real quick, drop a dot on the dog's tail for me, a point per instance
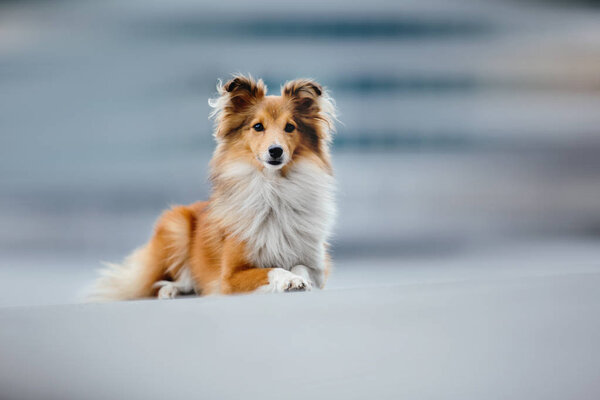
(131, 279)
(162, 258)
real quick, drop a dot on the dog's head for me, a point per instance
(273, 131)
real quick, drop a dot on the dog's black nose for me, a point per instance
(275, 151)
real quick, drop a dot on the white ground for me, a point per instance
(531, 337)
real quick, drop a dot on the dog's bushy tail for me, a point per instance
(131, 279)
(162, 257)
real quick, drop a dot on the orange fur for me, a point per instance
(195, 237)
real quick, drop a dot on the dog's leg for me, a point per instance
(317, 270)
(238, 276)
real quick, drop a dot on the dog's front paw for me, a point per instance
(296, 284)
(281, 281)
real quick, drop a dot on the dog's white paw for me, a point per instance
(281, 281)
(168, 291)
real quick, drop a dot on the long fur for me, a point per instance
(264, 228)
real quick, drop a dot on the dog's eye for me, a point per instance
(289, 128)
(259, 127)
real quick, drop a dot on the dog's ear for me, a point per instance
(235, 97)
(244, 91)
(312, 102)
(304, 94)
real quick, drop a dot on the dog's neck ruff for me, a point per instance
(284, 220)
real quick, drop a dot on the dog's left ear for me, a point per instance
(311, 100)
(305, 94)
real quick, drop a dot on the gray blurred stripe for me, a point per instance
(312, 27)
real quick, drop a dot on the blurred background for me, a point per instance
(468, 149)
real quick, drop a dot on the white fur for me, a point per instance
(281, 281)
(284, 220)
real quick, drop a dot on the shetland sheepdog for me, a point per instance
(266, 225)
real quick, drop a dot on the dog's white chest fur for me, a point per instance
(285, 221)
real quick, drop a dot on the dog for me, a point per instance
(266, 224)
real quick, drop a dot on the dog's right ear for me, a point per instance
(235, 97)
